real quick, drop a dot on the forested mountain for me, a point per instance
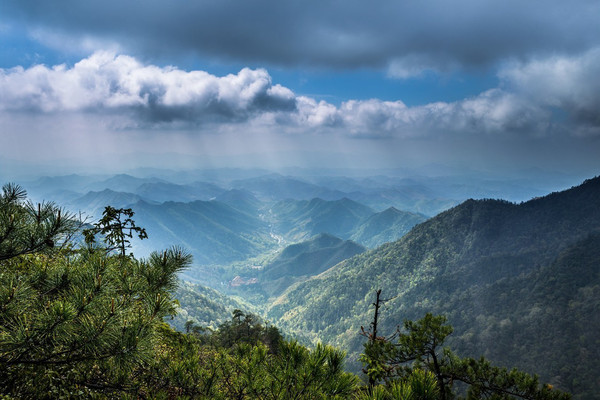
(491, 266)
(203, 306)
(305, 259)
(242, 200)
(386, 226)
(93, 203)
(301, 219)
(311, 257)
(121, 183)
(214, 232)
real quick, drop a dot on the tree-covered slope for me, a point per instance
(213, 231)
(545, 321)
(294, 263)
(386, 226)
(456, 264)
(302, 219)
(203, 306)
(93, 203)
(241, 200)
(311, 257)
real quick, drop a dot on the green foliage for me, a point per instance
(192, 366)
(413, 361)
(203, 307)
(488, 381)
(75, 322)
(117, 227)
(386, 226)
(519, 284)
(375, 359)
(249, 329)
(86, 319)
(26, 228)
(418, 385)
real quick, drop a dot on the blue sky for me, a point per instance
(488, 85)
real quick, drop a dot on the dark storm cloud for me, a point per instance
(569, 84)
(407, 36)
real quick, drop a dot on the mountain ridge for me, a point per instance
(464, 250)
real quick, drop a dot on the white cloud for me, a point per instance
(105, 82)
(129, 94)
(313, 114)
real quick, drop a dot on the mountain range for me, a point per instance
(300, 261)
(518, 281)
(476, 263)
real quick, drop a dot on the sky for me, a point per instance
(488, 85)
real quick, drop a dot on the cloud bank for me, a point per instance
(109, 83)
(551, 96)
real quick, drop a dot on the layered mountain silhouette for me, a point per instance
(302, 260)
(519, 283)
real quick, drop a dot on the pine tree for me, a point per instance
(394, 361)
(27, 228)
(75, 321)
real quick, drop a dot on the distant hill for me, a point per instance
(242, 200)
(204, 306)
(386, 226)
(213, 231)
(164, 191)
(418, 200)
(519, 283)
(122, 183)
(65, 182)
(305, 259)
(302, 219)
(93, 203)
(294, 263)
(275, 187)
(60, 189)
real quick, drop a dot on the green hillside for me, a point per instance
(204, 306)
(386, 226)
(213, 231)
(476, 263)
(93, 203)
(311, 257)
(241, 200)
(305, 259)
(302, 219)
